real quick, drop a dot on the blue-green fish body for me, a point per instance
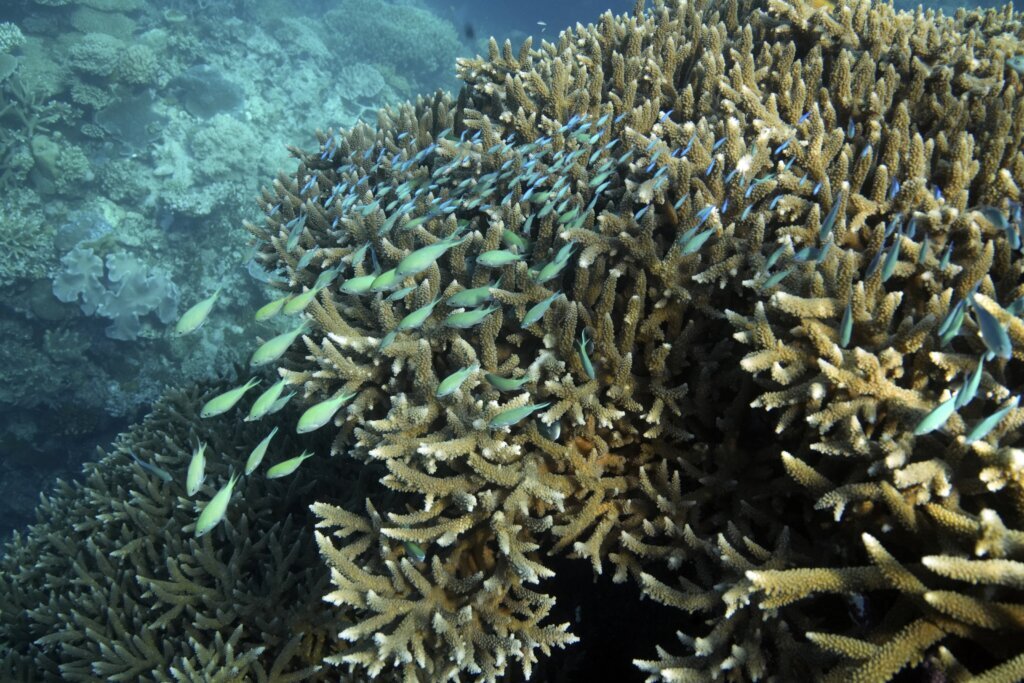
(319, 414)
(283, 469)
(386, 280)
(846, 325)
(269, 310)
(400, 294)
(937, 417)
(581, 347)
(155, 470)
(424, 257)
(416, 319)
(213, 511)
(262, 405)
(982, 429)
(497, 258)
(467, 319)
(993, 333)
(537, 311)
(218, 405)
(256, 457)
(507, 418)
(970, 387)
(196, 474)
(450, 384)
(358, 285)
(274, 348)
(471, 298)
(414, 551)
(192, 319)
(504, 383)
(298, 303)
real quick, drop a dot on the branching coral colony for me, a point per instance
(722, 299)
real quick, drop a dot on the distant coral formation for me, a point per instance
(722, 300)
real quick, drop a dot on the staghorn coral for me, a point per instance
(752, 214)
(110, 584)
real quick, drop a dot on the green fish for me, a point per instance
(414, 551)
(497, 258)
(156, 471)
(194, 317)
(507, 418)
(298, 303)
(549, 271)
(262, 405)
(581, 347)
(424, 257)
(937, 417)
(319, 414)
(471, 298)
(776, 278)
(269, 310)
(280, 403)
(512, 240)
(450, 384)
(283, 469)
(467, 319)
(274, 348)
(218, 405)
(538, 310)
(846, 325)
(415, 320)
(982, 429)
(693, 245)
(256, 457)
(504, 383)
(993, 333)
(400, 294)
(387, 340)
(213, 512)
(358, 285)
(385, 280)
(970, 388)
(196, 470)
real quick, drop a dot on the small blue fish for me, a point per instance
(993, 332)
(846, 325)
(982, 429)
(936, 417)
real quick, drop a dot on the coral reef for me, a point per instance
(722, 300)
(108, 585)
(739, 250)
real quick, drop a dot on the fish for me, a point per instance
(196, 473)
(936, 417)
(774, 257)
(470, 318)
(319, 414)
(982, 429)
(450, 384)
(424, 257)
(358, 285)
(262, 405)
(470, 298)
(508, 418)
(504, 383)
(946, 254)
(400, 294)
(993, 332)
(213, 511)
(415, 320)
(830, 217)
(280, 403)
(158, 472)
(581, 349)
(694, 244)
(923, 251)
(970, 388)
(283, 469)
(846, 325)
(537, 311)
(222, 403)
(271, 309)
(274, 348)
(192, 319)
(498, 257)
(413, 550)
(385, 281)
(950, 325)
(891, 258)
(256, 456)
(299, 302)
(296, 226)
(776, 278)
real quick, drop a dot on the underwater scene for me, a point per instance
(448, 340)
